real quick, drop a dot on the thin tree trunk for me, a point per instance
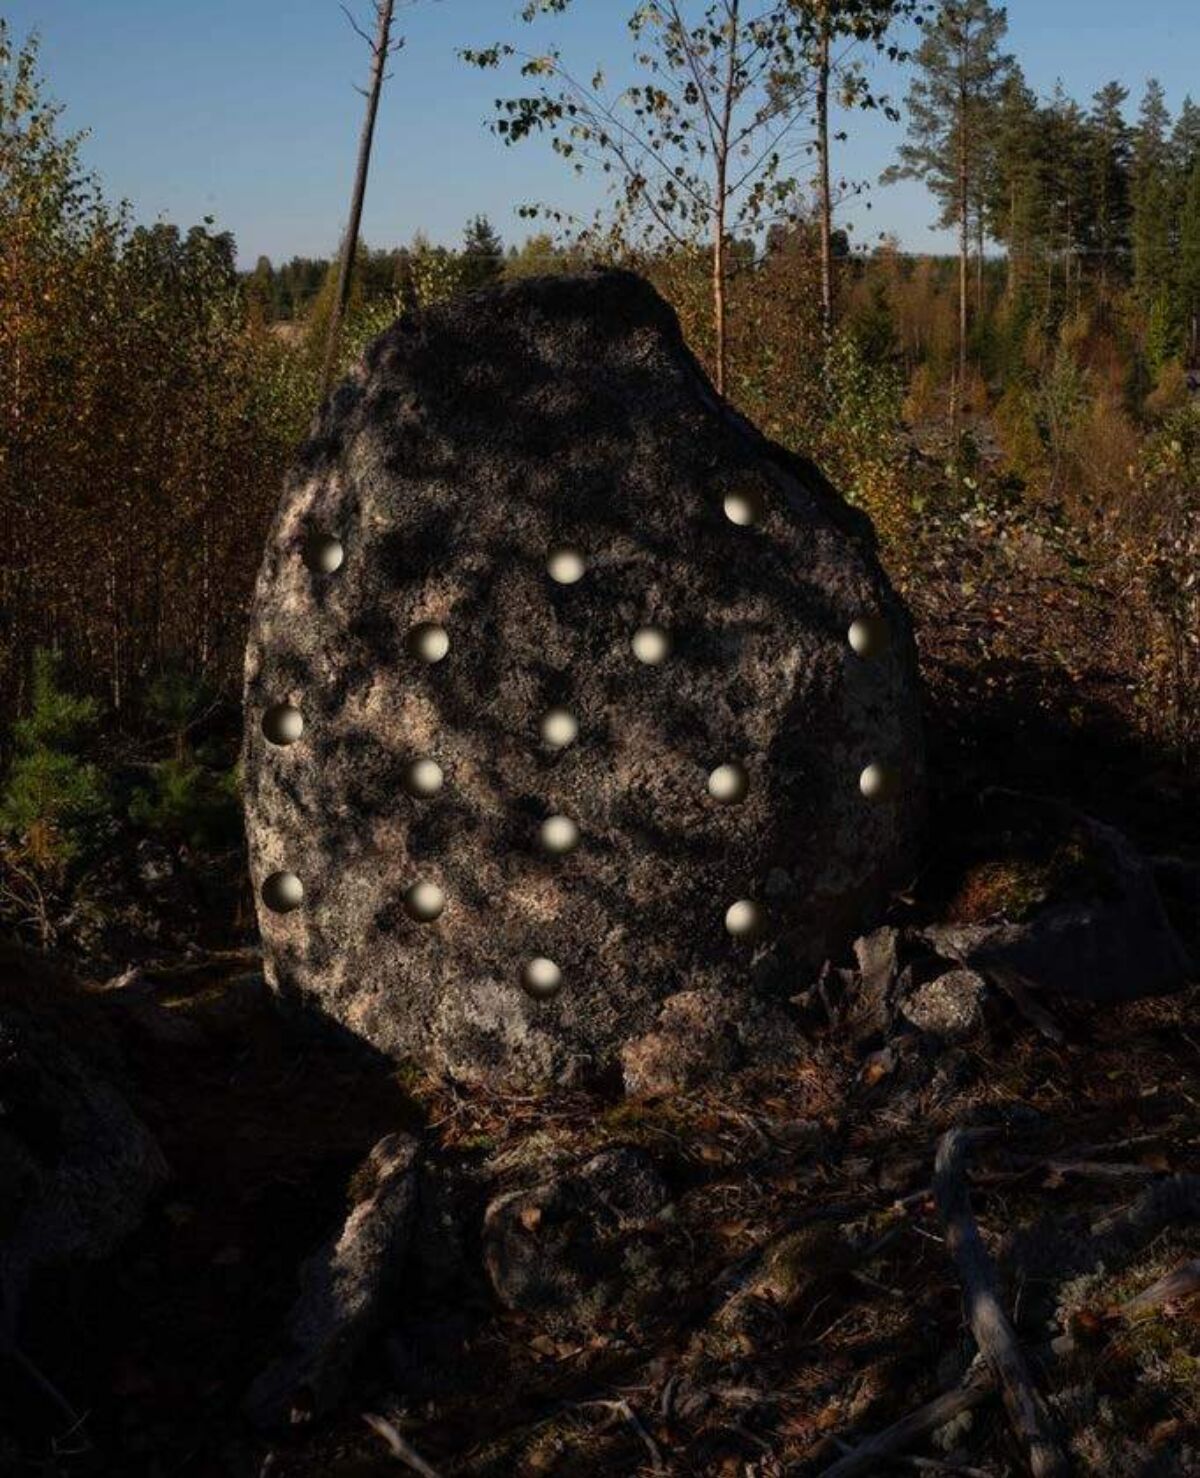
(823, 184)
(379, 56)
(718, 286)
(722, 177)
(979, 235)
(964, 224)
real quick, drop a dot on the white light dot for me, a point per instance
(423, 777)
(869, 636)
(282, 892)
(743, 918)
(729, 783)
(541, 978)
(559, 728)
(651, 644)
(566, 565)
(282, 724)
(323, 553)
(559, 834)
(429, 641)
(744, 507)
(877, 782)
(424, 901)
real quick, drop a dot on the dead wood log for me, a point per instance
(869, 1454)
(980, 1383)
(994, 1334)
(344, 1293)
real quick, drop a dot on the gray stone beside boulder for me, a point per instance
(1113, 942)
(555, 660)
(77, 1164)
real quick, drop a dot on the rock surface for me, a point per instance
(415, 605)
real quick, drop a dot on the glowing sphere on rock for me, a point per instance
(558, 835)
(429, 641)
(729, 784)
(424, 901)
(566, 566)
(651, 645)
(323, 554)
(282, 724)
(743, 918)
(744, 508)
(423, 778)
(877, 782)
(541, 978)
(559, 728)
(282, 892)
(869, 636)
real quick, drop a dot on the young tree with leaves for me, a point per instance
(698, 150)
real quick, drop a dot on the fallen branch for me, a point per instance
(994, 1334)
(980, 1384)
(866, 1457)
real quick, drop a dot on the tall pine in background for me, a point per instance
(951, 104)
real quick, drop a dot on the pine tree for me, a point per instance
(1152, 200)
(1185, 141)
(1065, 144)
(52, 798)
(260, 293)
(483, 253)
(1015, 201)
(1189, 263)
(950, 103)
(1107, 219)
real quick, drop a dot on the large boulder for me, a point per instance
(566, 691)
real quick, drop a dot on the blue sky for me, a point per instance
(246, 109)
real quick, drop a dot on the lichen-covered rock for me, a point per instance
(566, 691)
(581, 1243)
(949, 1006)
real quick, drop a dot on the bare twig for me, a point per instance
(403, 1451)
(994, 1334)
(624, 1409)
